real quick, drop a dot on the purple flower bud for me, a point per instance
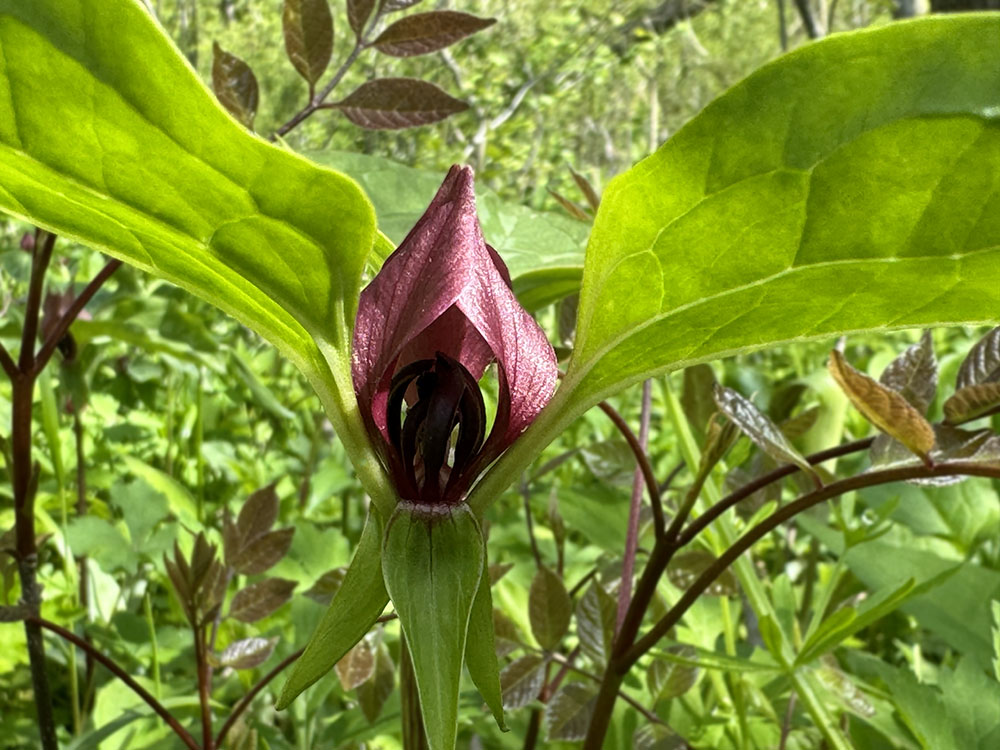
(432, 320)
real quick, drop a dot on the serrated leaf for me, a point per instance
(480, 650)
(522, 680)
(567, 714)
(982, 363)
(358, 13)
(593, 199)
(258, 513)
(327, 586)
(760, 429)
(260, 599)
(395, 103)
(595, 622)
(549, 608)
(914, 374)
(422, 33)
(972, 402)
(669, 679)
(657, 737)
(308, 30)
(356, 666)
(685, 568)
(373, 694)
(884, 408)
(247, 653)
(432, 561)
(354, 609)
(264, 552)
(235, 85)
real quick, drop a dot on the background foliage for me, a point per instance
(170, 416)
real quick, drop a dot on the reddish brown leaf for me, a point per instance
(972, 402)
(258, 514)
(357, 665)
(593, 199)
(521, 681)
(570, 207)
(982, 365)
(883, 407)
(235, 85)
(373, 693)
(396, 103)
(422, 33)
(358, 12)
(308, 29)
(391, 6)
(258, 600)
(914, 373)
(263, 552)
(247, 654)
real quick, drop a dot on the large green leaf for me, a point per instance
(432, 560)
(107, 136)
(848, 186)
(851, 185)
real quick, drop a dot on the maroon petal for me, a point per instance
(444, 290)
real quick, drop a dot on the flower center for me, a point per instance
(444, 399)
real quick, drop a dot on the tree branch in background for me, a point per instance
(812, 27)
(121, 674)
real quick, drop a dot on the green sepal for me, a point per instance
(480, 650)
(432, 559)
(355, 607)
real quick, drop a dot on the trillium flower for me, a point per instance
(439, 312)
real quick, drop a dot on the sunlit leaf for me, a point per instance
(884, 408)
(595, 622)
(593, 199)
(972, 402)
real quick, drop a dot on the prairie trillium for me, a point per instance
(439, 312)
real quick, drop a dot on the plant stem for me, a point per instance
(204, 687)
(121, 674)
(247, 699)
(751, 537)
(632, 535)
(316, 102)
(414, 736)
(640, 456)
(24, 481)
(74, 310)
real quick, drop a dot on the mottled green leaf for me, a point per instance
(357, 666)
(258, 600)
(247, 653)
(373, 694)
(480, 649)
(982, 364)
(595, 622)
